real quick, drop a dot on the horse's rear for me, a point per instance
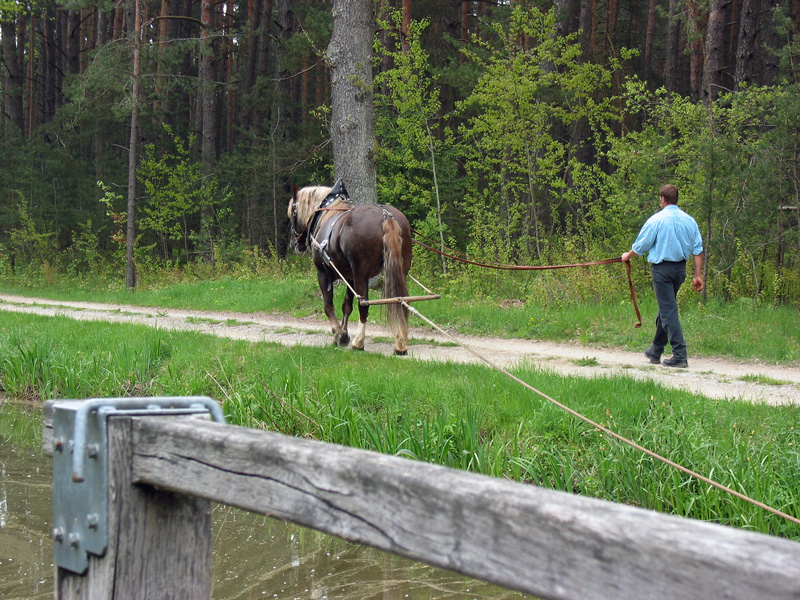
(374, 239)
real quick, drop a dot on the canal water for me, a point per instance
(253, 556)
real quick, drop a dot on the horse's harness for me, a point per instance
(338, 192)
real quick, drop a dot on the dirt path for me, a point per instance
(712, 377)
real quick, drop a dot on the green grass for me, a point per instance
(766, 380)
(462, 416)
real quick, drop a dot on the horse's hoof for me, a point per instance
(400, 352)
(357, 348)
(341, 339)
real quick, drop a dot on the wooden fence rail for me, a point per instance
(164, 472)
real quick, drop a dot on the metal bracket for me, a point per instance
(80, 486)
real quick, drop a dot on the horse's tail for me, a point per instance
(394, 278)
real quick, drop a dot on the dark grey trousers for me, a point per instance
(667, 280)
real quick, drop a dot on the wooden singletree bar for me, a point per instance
(398, 299)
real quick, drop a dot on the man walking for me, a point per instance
(670, 237)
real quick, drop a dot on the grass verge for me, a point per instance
(465, 417)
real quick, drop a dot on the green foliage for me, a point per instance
(415, 148)
(31, 244)
(182, 205)
(536, 108)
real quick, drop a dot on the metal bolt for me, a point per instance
(92, 450)
(92, 521)
(74, 540)
(59, 443)
(58, 534)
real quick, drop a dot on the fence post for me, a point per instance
(159, 542)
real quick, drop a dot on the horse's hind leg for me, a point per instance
(401, 335)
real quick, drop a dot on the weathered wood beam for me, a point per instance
(547, 543)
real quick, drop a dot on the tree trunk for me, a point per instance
(567, 17)
(587, 33)
(208, 143)
(262, 64)
(697, 27)
(352, 114)
(406, 22)
(773, 42)
(230, 124)
(30, 80)
(649, 36)
(671, 67)
(250, 57)
(73, 42)
(49, 73)
(612, 17)
(747, 44)
(12, 75)
(133, 150)
(280, 114)
(714, 63)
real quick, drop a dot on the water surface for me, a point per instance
(253, 556)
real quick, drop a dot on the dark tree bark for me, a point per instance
(30, 79)
(133, 149)
(206, 84)
(73, 47)
(649, 37)
(250, 56)
(671, 67)
(281, 113)
(49, 72)
(261, 108)
(406, 21)
(714, 64)
(772, 40)
(12, 74)
(612, 18)
(567, 16)
(352, 115)
(697, 20)
(747, 47)
(232, 99)
(585, 24)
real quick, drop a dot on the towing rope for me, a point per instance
(505, 267)
(600, 427)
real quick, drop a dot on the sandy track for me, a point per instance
(712, 377)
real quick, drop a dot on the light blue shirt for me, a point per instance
(670, 234)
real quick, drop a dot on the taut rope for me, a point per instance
(604, 429)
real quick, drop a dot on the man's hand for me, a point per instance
(626, 256)
(698, 284)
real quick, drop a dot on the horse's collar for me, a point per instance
(325, 205)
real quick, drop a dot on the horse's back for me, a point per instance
(362, 231)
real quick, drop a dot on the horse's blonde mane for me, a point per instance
(308, 199)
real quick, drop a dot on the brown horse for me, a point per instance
(354, 243)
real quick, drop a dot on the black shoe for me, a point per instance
(651, 356)
(681, 363)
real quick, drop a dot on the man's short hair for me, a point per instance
(669, 193)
